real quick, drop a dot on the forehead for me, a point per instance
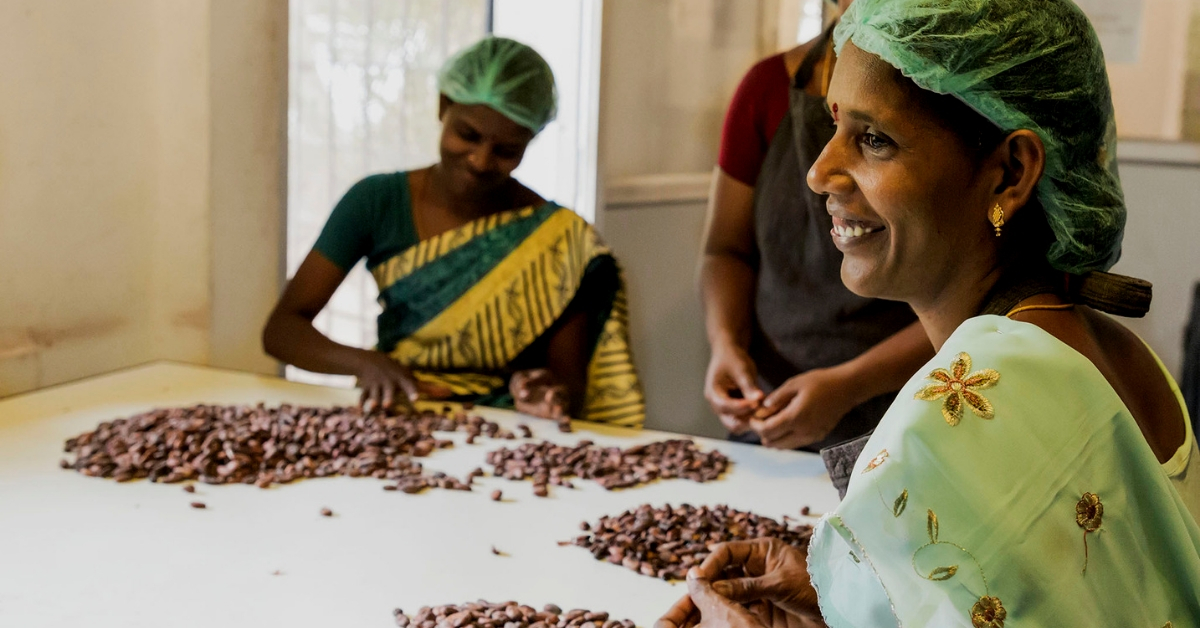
(490, 122)
(864, 82)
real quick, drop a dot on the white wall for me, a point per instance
(668, 70)
(106, 187)
(1162, 192)
(658, 244)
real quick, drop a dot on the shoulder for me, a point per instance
(765, 76)
(998, 379)
(524, 196)
(773, 67)
(377, 184)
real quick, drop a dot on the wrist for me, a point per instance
(360, 360)
(726, 343)
(856, 386)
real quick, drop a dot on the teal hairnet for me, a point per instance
(507, 76)
(1022, 64)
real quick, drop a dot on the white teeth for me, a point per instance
(852, 232)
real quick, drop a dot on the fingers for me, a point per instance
(722, 403)
(715, 608)
(680, 615)
(744, 590)
(370, 398)
(409, 385)
(433, 391)
(745, 380)
(779, 399)
(385, 400)
(724, 556)
(779, 425)
(735, 425)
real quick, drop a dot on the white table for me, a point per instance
(87, 552)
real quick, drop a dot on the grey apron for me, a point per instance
(805, 318)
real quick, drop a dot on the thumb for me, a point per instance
(701, 591)
(744, 377)
(743, 590)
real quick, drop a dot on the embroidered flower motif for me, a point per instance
(959, 388)
(876, 461)
(1089, 514)
(988, 612)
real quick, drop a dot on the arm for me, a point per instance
(290, 337)
(727, 280)
(807, 407)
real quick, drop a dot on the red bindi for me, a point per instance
(833, 109)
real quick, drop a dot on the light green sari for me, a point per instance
(1008, 485)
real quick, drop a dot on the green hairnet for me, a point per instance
(1022, 64)
(507, 76)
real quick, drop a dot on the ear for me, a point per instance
(1022, 158)
(443, 106)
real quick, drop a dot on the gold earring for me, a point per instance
(997, 218)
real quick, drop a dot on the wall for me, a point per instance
(107, 193)
(668, 70)
(658, 243)
(1191, 94)
(1162, 191)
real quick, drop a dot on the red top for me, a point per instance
(758, 106)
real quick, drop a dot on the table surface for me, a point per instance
(80, 551)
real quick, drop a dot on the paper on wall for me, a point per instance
(1119, 25)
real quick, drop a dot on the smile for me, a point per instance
(851, 229)
(856, 231)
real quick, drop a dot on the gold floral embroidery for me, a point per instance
(959, 388)
(1089, 514)
(900, 504)
(988, 612)
(876, 461)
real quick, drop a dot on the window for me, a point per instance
(363, 99)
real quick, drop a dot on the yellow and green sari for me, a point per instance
(460, 309)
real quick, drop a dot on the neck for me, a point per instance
(468, 206)
(943, 313)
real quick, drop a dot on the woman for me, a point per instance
(1040, 471)
(797, 359)
(490, 294)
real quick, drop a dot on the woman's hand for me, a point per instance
(731, 389)
(805, 409)
(537, 393)
(384, 381)
(705, 607)
(774, 572)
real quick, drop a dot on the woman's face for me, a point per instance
(908, 203)
(480, 147)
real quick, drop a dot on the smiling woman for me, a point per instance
(1042, 463)
(490, 293)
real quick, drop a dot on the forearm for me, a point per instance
(292, 339)
(727, 285)
(887, 366)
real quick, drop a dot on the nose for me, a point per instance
(828, 174)
(481, 159)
